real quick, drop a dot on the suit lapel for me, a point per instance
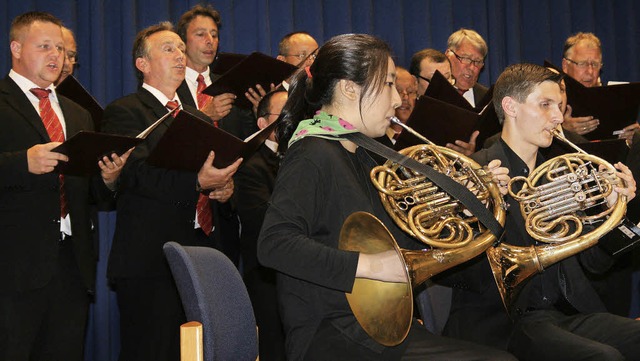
(154, 107)
(17, 100)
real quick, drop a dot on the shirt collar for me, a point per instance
(26, 85)
(192, 76)
(159, 95)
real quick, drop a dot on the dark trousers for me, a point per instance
(551, 335)
(47, 323)
(261, 285)
(150, 317)
(331, 344)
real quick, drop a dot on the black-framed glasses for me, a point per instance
(467, 61)
(303, 56)
(585, 64)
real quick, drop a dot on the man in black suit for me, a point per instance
(466, 51)
(47, 262)
(557, 314)
(155, 205)
(199, 29)
(254, 183)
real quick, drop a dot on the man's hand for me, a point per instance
(628, 131)
(219, 106)
(224, 193)
(110, 168)
(256, 95)
(464, 147)
(41, 160)
(579, 125)
(212, 178)
(499, 175)
(628, 190)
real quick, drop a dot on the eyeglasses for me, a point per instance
(303, 56)
(268, 114)
(468, 61)
(585, 64)
(408, 93)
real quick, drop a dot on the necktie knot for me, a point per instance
(200, 81)
(40, 93)
(461, 91)
(172, 104)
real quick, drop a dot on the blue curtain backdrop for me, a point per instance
(516, 31)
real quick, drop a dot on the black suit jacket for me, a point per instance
(479, 91)
(30, 204)
(239, 122)
(155, 205)
(477, 312)
(254, 184)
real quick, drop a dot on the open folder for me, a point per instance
(72, 89)
(440, 88)
(189, 139)
(85, 149)
(257, 68)
(611, 150)
(225, 61)
(444, 123)
(616, 106)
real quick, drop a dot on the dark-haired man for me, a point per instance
(47, 263)
(156, 205)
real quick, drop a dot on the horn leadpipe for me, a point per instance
(397, 121)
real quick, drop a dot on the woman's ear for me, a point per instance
(349, 89)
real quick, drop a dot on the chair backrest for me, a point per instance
(213, 293)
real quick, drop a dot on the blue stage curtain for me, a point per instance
(516, 31)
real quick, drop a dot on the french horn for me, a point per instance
(452, 235)
(553, 200)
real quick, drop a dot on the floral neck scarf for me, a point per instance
(322, 125)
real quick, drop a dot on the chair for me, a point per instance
(213, 293)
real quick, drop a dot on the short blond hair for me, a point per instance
(471, 36)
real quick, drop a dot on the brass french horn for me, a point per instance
(552, 200)
(422, 209)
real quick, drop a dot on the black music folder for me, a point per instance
(257, 68)
(611, 150)
(85, 149)
(189, 139)
(72, 89)
(225, 61)
(439, 122)
(616, 106)
(440, 88)
(443, 123)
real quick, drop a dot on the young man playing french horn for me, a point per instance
(556, 314)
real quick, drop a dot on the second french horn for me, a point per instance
(554, 200)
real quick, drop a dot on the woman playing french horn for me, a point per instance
(323, 179)
(556, 315)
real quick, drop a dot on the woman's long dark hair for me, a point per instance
(360, 58)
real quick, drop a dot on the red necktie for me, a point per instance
(203, 98)
(203, 211)
(54, 129)
(173, 104)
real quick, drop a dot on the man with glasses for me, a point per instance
(297, 49)
(254, 183)
(424, 64)
(71, 54)
(466, 51)
(407, 87)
